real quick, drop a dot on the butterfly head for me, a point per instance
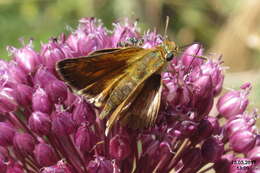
(170, 50)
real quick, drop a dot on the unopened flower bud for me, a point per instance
(212, 149)
(24, 143)
(25, 93)
(6, 134)
(242, 141)
(83, 112)
(213, 69)
(8, 102)
(84, 138)
(236, 124)
(57, 91)
(119, 147)
(233, 103)
(203, 96)
(41, 101)
(43, 77)
(40, 123)
(17, 73)
(26, 58)
(51, 53)
(189, 58)
(62, 123)
(45, 155)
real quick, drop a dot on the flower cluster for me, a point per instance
(44, 127)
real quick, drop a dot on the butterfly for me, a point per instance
(124, 82)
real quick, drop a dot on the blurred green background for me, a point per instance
(231, 28)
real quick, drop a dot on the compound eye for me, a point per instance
(169, 56)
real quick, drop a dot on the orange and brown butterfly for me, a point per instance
(124, 82)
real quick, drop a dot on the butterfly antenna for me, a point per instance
(166, 28)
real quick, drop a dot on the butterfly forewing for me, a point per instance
(95, 73)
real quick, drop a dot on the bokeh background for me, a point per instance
(230, 28)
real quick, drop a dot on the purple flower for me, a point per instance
(233, 103)
(8, 102)
(7, 132)
(62, 123)
(47, 128)
(26, 57)
(51, 53)
(24, 143)
(40, 123)
(242, 141)
(41, 101)
(119, 147)
(45, 154)
(189, 59)
(84, 138)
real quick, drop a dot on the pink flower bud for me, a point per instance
(119, 147)
(233, 103)
(242, 141)
(40, 123)
(51, 53)
(41, 101)
(43, 77)
(83, 112)
(212, 149)
(45, 155)
(213, 69)
(6, 134)
(100, 164)
(189, 58)
(8, 102)
(17, 74)
(24, 143)
(62, 123)
(84, 138)
(26, 58)
(57, 91)
(236, 124)
(25, 93)
(203, 96)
